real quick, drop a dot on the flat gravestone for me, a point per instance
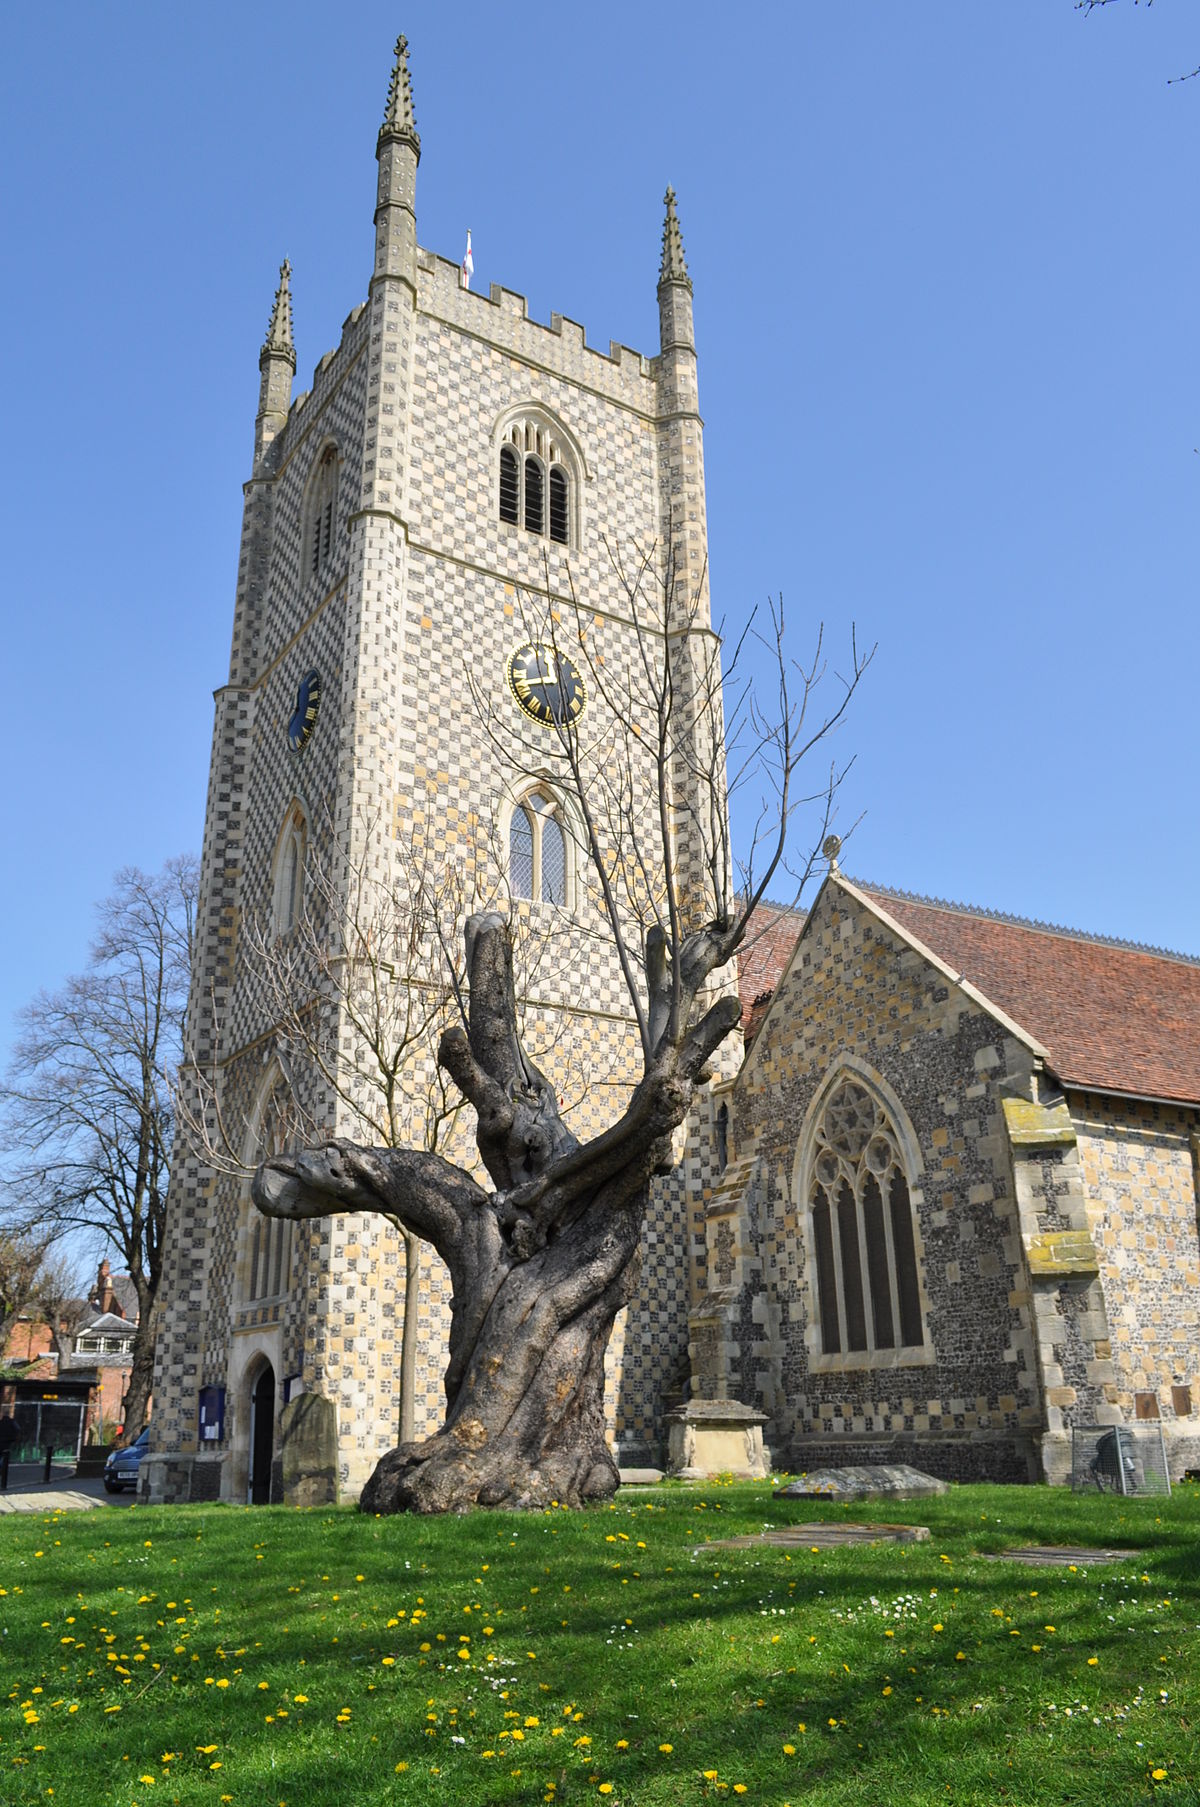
(824, 1537)
(1059, 1555)
(866, 1481)
(308, 1432)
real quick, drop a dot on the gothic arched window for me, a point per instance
(321, 512)
(868, 1294)
(267, 1261)
(287, 891)
(534, 465)
(537, 850)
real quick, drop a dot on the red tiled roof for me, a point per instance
(773, 932)
(1113, 1017)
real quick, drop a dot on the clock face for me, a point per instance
(546, 684)
(304, 716)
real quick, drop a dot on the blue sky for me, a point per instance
(945, 265)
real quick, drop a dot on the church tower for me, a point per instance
(461, 489)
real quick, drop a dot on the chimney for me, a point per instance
(106, 1298)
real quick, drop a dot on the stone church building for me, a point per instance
(947, 1201)
(958, 1212)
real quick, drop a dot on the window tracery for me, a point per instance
(287, 891)
(868, 1294)
(537, 850)
(534, 467)
(267, 1272)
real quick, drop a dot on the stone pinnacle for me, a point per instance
(279, 341)
(399, 120)
(674, 263)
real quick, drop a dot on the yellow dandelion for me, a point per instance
(1158, 1775)
(666, 1749)
(1092, 1661)
(789, 1750)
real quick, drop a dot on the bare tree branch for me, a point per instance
(88, 1103)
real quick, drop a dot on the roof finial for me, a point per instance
(674, 263)
(278, 342)
(399, 120)
(831, 847)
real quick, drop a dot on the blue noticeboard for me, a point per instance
(212, 1414)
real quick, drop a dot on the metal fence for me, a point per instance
(1119, 1458)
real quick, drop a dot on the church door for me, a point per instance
(262, 1435)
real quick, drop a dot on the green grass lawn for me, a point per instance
(256, 1657)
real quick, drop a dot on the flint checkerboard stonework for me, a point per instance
(409, 617)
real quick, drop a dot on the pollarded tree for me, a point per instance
(87, 1104)
(357, 992)
(542, 1260)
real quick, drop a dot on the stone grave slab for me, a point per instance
(864, 1481)
(823, 1537)
(308, 1431)
(1050, 1556)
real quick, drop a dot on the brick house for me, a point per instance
(92, 1344)
(958, 1210)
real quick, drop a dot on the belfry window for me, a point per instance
(534, 482)
(537, 850)
(868, 1296)
(322, 512)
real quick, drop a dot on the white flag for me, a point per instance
(468, 263)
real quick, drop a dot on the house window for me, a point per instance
(534, 482)
(537, 850)
(868, 1297)
(322, 512)
(287, 897)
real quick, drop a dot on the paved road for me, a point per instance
(27, 1492)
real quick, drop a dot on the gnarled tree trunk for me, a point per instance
(541, 1265)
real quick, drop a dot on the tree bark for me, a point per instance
(141, 1378)
(539, 1267)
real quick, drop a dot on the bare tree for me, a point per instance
(21, 1260)
(357, 994)
(87, 1103)
(542, 1261)
(1088, 6)
(60, 1303)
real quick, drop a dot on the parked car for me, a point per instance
(121, 1469)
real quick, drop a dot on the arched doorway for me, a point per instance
(262, 1436)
